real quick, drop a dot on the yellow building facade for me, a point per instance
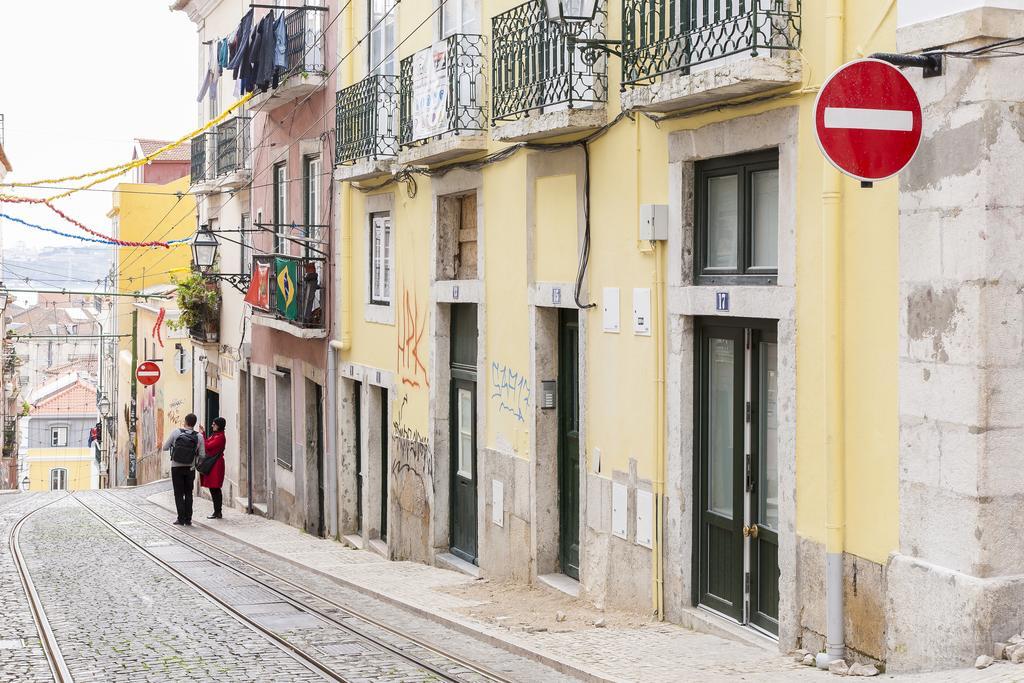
(672, 232)
(59, 454)
(150, 212)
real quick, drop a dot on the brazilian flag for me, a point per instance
(287, 288)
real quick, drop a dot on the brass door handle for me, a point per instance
(750, 531)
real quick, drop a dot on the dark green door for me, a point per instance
(720, 539)
(736, 480)
(569, 442)
(764, 497)
(462, 440)
(357, 391)
(385, 469)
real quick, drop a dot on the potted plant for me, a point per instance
(199, 304)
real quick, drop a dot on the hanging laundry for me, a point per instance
(248, 63)
(280, 44)
(222, 53)
(208, 80)
(263, 57)
(240, 43)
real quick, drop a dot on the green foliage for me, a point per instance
(197, 301)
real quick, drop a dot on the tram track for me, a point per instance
(302, 602)
(48, 642)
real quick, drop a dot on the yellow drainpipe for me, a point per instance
(832, 319)
(344, 342)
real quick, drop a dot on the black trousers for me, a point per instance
(218, 499)
(182, 479)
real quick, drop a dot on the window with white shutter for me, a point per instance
(381, 259)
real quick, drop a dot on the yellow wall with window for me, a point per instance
(629, 167)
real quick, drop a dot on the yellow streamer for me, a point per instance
(114, 171)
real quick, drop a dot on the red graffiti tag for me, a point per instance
(410, 333)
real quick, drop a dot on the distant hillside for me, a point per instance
(63, 267)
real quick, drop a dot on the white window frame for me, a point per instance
(382, 37)
(62, 476)
(55, 436)
(458, 16)
(313, 169)
(382, 259)
(280, 200)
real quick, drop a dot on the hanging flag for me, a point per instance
(287, 301)
(259, 286)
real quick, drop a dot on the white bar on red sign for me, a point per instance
(148, 373)
(869, 119)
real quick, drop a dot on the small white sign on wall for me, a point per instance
(642, 312)
(644, 518)
(497, 502)
(619, 505)
(611, 309)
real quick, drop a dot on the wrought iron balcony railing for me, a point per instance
(664, 36)
(200, 167)
(304, 40)
(295, 288)
(232, 144)
(367, 119)
(535, 67)
(461, 71)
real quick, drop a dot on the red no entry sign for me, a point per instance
(148, 373)
(868, 120)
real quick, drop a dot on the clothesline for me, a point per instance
(256, 56)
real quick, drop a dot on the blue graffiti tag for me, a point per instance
(511, 390)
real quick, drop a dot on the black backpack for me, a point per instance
(185, 449)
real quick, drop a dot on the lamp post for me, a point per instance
(573, 16)
(204, 249)
(571, 11)
(103, 405)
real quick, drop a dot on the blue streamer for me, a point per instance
(81, 238)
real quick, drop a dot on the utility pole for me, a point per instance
(132, 441)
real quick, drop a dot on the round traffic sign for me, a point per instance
(867, 119)
(148, 373)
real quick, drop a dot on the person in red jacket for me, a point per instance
(215, 444)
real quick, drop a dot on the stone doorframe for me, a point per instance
(444, 293)
(686, 301)
(545, 298)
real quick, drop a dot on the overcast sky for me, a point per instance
(81, 80)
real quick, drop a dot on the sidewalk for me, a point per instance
(628, 647)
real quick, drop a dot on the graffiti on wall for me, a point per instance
(148, 422)
(411, 328)
(511, 390)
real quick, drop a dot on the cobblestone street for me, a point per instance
(117, 597)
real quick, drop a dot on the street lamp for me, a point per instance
(104, 406)
(204, 248)
(571, 11)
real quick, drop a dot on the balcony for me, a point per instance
(231, 140)
(305, 70)
(203, 170)
(443, 102)
(677, 55)
(293, 300)
(542, 86)
(367, 128)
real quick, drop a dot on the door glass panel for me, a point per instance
(765, 215)
(465, 434)
(723, 217)
(769, 441)
(720, 430)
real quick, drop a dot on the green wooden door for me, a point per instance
(720, 481)
(569, 442)
(462, 418)
(764, 496)
(736, 476)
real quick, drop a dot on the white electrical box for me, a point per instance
(644, 518)
(642, 311)
(653, 222)
(619, 506)
(611, 309)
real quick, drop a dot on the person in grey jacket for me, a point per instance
(186, 447)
